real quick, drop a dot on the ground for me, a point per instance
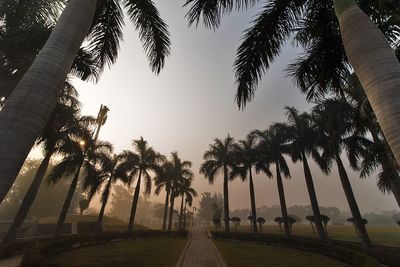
(240, 254)
(149, 252)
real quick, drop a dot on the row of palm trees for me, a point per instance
(335, 125)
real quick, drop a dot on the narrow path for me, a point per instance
(11, 262)
(200, 251)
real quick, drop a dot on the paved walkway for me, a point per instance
(200, 251)
(11, 262)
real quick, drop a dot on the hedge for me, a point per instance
(350, 256)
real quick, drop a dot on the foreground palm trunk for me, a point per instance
(103, 206)
(67, 202)
(181, 215)
(226, 200)
(376, 67)
(164, 225)
(313, 199)
(27, 201)
(134, 203)
(282, 200)
(253, 203)
(171, 210)
(29, 106)
(351, 200)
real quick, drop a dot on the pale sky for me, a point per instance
(192, 102)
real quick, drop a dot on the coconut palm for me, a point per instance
(271, 148)
(139, 162)
(63, 125)
(302, 144)
(109, 170)
(334, 120)
(246, 158)
(180, 172)
(100, 22)
(81, 156)
(164, 179)
(187, 193)
(220, 157)
(328, 50)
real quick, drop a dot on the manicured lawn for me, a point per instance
(389, 235)
(240, 254)
(149, 252)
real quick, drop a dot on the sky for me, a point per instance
(192, 101)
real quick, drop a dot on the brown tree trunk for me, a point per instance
(253, 202)
(135, 203)
(282, 200)
(181, 214)
(351, 200)
(313, 199)
(103, 206)
(29, 106)
(226, 200)
(164, 225)
(67, 202)
(171, 209)
(27, 201)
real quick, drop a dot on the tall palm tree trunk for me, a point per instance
(171, 210)
(29, 106)
(282, 200)
(351, 200)
(181, 214)
(184, 217)
(253, 202)
(376, 67)
(67, 202)
(164, 225)
(103, 206)
(313, 199)
(27, 201)
(135, 203)
(226, 200)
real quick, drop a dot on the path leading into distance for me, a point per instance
(200, 251)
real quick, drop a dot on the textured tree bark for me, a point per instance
(226, 200)
(134, 203)
(27, 201)
(67, 202)
(253, 203)
(103, 206)
(313, 199)
(164, 225)
(29, 106)
(351, 200)
(282, 200)
(376, 67)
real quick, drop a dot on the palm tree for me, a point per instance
(63, 125)
(330, 47)
(180, 172)
(188, 193)
(110, 170)
(271, 148)
(302, 143)
(162, 180)
(334, 120)
(245, 159)
(29, 106)
(81, 157)
(139, 163)
(218, 158)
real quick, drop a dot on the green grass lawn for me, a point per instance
(382, 235)
(243, 254)
(149, 252)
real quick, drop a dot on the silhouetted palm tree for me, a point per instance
(63, 125)
(328, 50)
(187, 193)
(218, 158)
(81, 156)
(139, 162)
(334, 120)
(109, 170)
(100, 23)
(164, 179)
(245, 159)
(271, 148)
(302, 143)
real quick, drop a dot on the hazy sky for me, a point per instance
(192, 102)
